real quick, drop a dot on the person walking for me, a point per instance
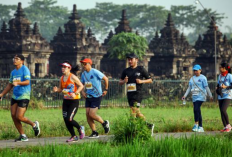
(224, 91)
(198, 86)
(71, 87)
(133, 77)
(20, 81)
(91, 78)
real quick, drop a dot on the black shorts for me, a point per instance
(134, 99)
(93, 102)
(21, 103)
(134, 102)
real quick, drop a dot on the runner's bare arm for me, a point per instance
(143, 81)
(106, 82)
(121, 82)
(56, 89)
(106, 85)
(7, 89)
(78, 83)
(23, 83)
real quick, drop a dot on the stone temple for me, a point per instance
(74, 44)
(19, 38)
(169, 54)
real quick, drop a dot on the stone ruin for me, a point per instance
(20, 38)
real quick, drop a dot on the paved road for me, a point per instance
(61, 140)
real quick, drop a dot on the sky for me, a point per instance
(221, 6)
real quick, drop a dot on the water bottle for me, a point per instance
(184, 102)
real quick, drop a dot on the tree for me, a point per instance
(125, 43)
(183, 16)
(48, 16)
(6, 12)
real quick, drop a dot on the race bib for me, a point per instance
(131, 87)
(195, 91)
(225, 91)
(88, 85)
(17, 79)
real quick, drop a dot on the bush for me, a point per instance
(129, 130)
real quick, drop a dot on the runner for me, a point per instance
(133, 77)
(91, 78)
(71, 87)
(198, 85)
(20, 82)
(224, 88)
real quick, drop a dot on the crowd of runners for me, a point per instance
(89, 86)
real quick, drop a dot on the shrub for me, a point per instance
(129, 129)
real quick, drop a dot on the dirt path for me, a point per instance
(61, 140)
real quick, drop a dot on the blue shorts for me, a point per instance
(93, 102)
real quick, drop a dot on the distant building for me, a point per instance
(20, 38)
(74, 44)
(173, 56)
(206, 50)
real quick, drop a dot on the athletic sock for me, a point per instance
(24, 135)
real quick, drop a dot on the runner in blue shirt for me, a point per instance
(198, 86)
(91, 79)
(224, 91)
(20, 82)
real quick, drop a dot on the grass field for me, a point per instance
(206, 146)
(166, 119)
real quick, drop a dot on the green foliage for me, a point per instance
(48, 16)
(105, 16)
(130, 129)
(125, 43)
(207, 146)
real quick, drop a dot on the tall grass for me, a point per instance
(130, 129)
(207, 146)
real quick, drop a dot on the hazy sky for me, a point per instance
(221, 6)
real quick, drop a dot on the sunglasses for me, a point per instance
(64, 67)
(84, 64)
(17, 59)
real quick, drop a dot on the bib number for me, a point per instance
(131, 87)
(195, 91)
(88, 85)
(17, 79)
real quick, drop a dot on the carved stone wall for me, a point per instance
(74, 44)
(20, 38)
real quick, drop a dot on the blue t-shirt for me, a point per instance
(92, 82)
(198, 89)
(226, 80)
(20, 75)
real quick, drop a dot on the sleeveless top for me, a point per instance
(69, 87)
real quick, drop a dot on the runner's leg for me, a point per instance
(20, 116)
(17, 122)
(90, 120)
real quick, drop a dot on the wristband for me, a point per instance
(105, 89)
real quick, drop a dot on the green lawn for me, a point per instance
(166, 119)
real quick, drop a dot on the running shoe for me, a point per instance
(223, 130)
(82, 132)
(72, 139)
(227, 130)
(106, 126)
(36, 128)
(94, 135)
(195, 128)
(21, 139)
(200, 129)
